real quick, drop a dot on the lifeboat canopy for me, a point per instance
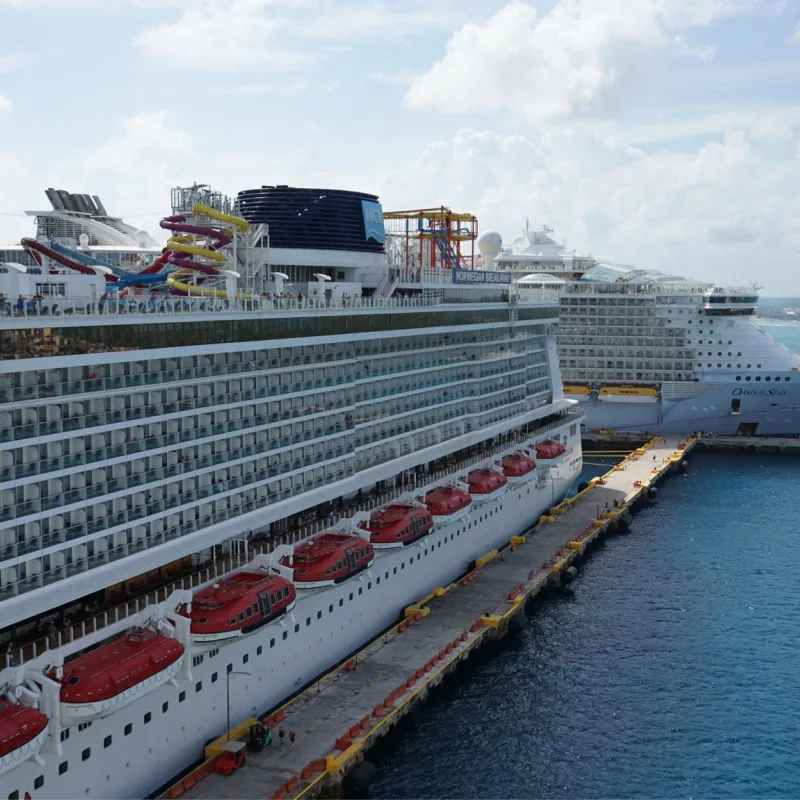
(116, 674)
(397, 525)
(517, 465)
(447, 500)
(485, 481)
(549, 450)
(23, 731)
(239, 604)
(329, 558)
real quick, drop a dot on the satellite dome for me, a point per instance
(489, 244)
(84, 239)
(142, 237)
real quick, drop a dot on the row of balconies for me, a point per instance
(140, 374)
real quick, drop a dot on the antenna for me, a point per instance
(756, 286)
(527, 224)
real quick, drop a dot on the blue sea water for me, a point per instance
(787, 333)
(668, 669)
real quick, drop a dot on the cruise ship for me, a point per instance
(646, 351)
(316, 413)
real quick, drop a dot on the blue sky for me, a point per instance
(664, 133)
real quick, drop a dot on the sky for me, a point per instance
(660, 133)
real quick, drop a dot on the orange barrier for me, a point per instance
(279, 793)
(377, 710)
(312, 767)
(350, 665)
(291, 784)
(364, 723)
(354, 731)
(342, 743)
(464, 636)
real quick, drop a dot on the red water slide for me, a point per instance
(33, 247)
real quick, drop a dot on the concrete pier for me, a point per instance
(338, 719)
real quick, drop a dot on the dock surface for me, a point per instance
(339, 717)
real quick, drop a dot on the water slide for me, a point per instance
(184, 245)
(32, 246)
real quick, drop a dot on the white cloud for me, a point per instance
(5, 103)
(796, 34)
(563, 62)
(223, 36)
(262, 88)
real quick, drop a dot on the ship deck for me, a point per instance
(336, 719)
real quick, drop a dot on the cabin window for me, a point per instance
(254, 607)
(233, 621)
(341, 602)
(272, 599)
(84, 725)
(128, 728)
(241, 616)
(369, 585)
(285, 634)
(85, 755)
(214, 676)
(386, 575)
(308, 621)
(327, 572)
(351, 596)
(377, 580)
(249, 612)
(164, 707)
(259, 650)
(419, 556)
(147, 717)
(394, 571)
(14, 795)
(245, 658)
(330, 608)
(63, 767)
(426, 551)
(360, 589)
(181, 697)
(73, 680)
(285, 591)
(297, 627)
(272, 643)
(39, 782)
(107, 741)
(198, 687)
(403, 565)
(65, 735)
(229, 669)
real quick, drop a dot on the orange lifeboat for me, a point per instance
(398, 525)
(518, 467)
(486, 484)
(448, 503)
(328, 559)
(23, 732)
(119, 673)
(549, 452)
(238, 605)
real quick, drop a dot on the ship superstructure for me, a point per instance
(643, 350)
(142, 428)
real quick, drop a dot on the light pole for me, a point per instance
(228, 699)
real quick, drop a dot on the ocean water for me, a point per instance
(787, 333)
(669, 669)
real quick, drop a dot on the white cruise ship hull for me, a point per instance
(326, 626)
(710, 407)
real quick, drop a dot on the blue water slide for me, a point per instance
(125, 278)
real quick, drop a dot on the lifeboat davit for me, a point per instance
(328, 559)
(23, 732)
(398, 525)
(238, 605)
(550, 452)
(448, 503)
(486, 484)
(518, 467)
(100, 682)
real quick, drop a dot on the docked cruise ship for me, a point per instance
(648, 351)
(269, 375)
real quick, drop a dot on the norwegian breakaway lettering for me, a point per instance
(480, 276)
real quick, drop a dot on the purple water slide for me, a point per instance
(178, 224)
(187, 263)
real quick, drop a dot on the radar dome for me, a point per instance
(489, 244)
(142, 238)
(84, 239)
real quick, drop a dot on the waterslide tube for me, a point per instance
(187, 263)
(178, 225)
(125, 278)
(38, 247)
(199, 291)
(241, 225)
